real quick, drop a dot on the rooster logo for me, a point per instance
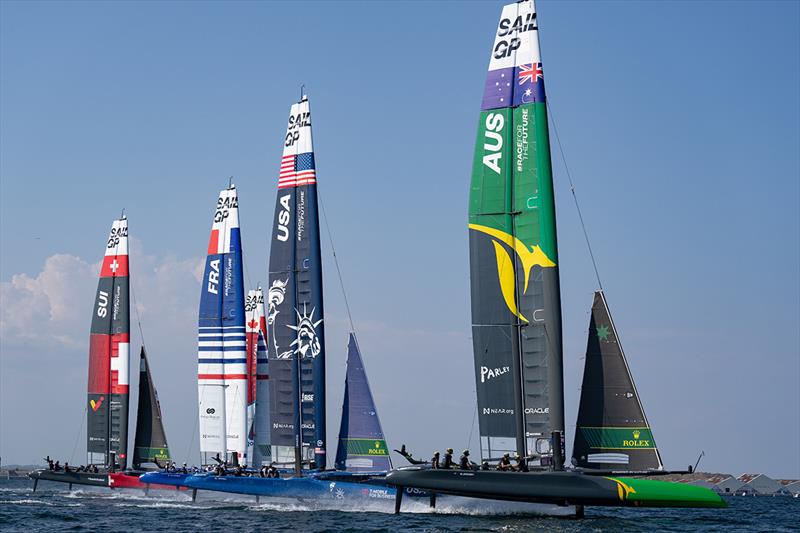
(529, 257)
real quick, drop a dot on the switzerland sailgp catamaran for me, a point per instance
(108, 396)
(516, 316)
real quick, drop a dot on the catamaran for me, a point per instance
(516, 321)
(108, 396)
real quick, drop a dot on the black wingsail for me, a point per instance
(612, 430)
(151, 441)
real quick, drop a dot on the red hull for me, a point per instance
(131, 481)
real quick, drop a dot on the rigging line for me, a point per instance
(78, 436)
(336, 260)
(472, 428)
(574, 195)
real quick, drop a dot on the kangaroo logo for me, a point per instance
(529, 257)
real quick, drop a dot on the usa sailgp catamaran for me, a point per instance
(108, 386)
(289, 417)
(516, 311)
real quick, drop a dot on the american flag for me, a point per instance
(530, 73)
(297, 170)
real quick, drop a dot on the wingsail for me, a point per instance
(109, 345)
(258, 378)
(295, 328)
(222, 356)
(516, 306)
(612, 430)
(362, 445)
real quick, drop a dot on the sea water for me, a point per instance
(54, 508)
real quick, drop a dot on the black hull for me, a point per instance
(73, 478)
(559, 488)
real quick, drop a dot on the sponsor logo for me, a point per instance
(305, 397)
(283, 219)
(95, 405)
(224, 205)
(213, 277)
(491, 373)
(522, 139)
(529, 257)
(301, 215)
(102, 304)
(307, 425)
(228, 275)
(511, 29)
(296, 122)
(537, 410)
(497, 411)
(116, 233)
(211, 411)
(279, 425)
(636, 442)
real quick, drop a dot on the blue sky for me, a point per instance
(681, 125)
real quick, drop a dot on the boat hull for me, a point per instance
(74, 478)
(170, 479)
(559, 488)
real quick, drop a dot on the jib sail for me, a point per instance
(150, 443)
(296, 343)
(222, 355)
(516, 307)
(107, 412)
(258, 378)
(612, 430)
(362, 445)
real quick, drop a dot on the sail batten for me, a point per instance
(612, 430)
(295, 328)
(516, 309)
(108, 395)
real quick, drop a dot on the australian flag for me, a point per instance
(513, 86)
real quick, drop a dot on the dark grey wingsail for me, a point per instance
(612, 430)
(151, 441)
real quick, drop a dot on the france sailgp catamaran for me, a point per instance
(516, 308)
(107, 391)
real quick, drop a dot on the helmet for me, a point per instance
(435, 454)
(505, 455)
(449, 450)
(466, 452)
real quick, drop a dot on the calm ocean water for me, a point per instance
(52, 508)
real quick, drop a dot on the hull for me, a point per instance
(130, 480)
(171, 479)
(559, 488)
(73, 478)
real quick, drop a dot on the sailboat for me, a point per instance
(108, 395)
(292, 315)
(258, 380)
(612, 432)
(516, 307)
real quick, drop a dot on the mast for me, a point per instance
(516, 301)
(222, 356)
(362, 444)
(109, 341)
(296, 343)
(612, 429)
(150, 443)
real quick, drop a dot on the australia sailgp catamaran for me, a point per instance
(108, 394)
(516, 315)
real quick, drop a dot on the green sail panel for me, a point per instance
(612, 430)
(516, 308)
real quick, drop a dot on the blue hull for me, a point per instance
(311, 487)
(174, 479)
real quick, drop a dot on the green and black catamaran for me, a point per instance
(516, 321)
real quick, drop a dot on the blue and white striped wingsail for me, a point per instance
(222, 356)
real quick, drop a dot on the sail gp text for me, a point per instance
(504, 47)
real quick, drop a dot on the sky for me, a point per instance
(680, 122)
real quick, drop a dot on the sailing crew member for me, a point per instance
(522, 463)
(435, 461)
(66, 467)
(448, 459)
(485, 465)
(272, 472)
(57, 466)
(505, 463)
(464, 462)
